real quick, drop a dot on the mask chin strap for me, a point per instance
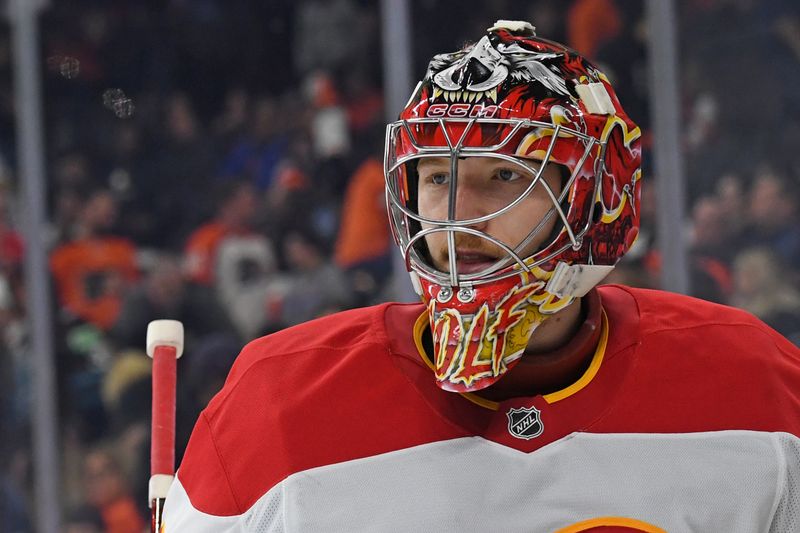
(568, 281)
(415, 283)
(576, 280)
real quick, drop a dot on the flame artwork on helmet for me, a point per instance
(531, 103)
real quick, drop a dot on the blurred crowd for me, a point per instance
(219, 163)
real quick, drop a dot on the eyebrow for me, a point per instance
(435, 163)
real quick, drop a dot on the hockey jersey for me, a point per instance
(686, 420)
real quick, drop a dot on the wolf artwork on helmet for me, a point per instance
(532, 103)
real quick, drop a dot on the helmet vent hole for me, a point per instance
(598, 213)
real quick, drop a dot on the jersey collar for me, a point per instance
(592, 335)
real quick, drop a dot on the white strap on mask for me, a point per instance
(596, 99)
(576, 280)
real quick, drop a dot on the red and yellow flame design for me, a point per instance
(476, 343)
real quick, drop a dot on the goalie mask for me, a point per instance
(512, 130)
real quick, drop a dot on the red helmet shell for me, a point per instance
(540, 86)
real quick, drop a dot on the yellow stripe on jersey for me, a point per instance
(590, 373)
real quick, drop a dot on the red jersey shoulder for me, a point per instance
(321, 393)
(662, 311)
(346, 328)
(701, 366)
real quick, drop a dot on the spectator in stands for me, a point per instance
(126, 393)
(133, 177)
(730, 195)
(183, 166)
(255, 157)
(228, 254)
(292, 192)
(315, 285)
(709, 274)
(166, 293)
(73, 169)
(328, 126)
(231, 124)
(108, 492)
(94, 270)
(72, 177)
(83, 520)
(363, 102)
(709, 251)
(237, 209)
(709, 229)
(363, 247)
(66, 212)
(764, 289)
(774, 215)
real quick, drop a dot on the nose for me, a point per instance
(470, 204)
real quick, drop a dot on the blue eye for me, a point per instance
(439, 179)
(505, 174)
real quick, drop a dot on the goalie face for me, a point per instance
(484, 186)
(512, 182)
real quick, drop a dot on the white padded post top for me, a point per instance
(165, 333)
(159, 486)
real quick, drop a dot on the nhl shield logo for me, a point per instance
(525, 423)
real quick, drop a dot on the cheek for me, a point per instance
(436, 241)
(514, 226)
(428, 206)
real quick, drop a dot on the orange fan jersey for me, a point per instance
(91, 276)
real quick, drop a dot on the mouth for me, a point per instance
(470, 262)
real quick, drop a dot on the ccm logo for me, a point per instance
(462, 111)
